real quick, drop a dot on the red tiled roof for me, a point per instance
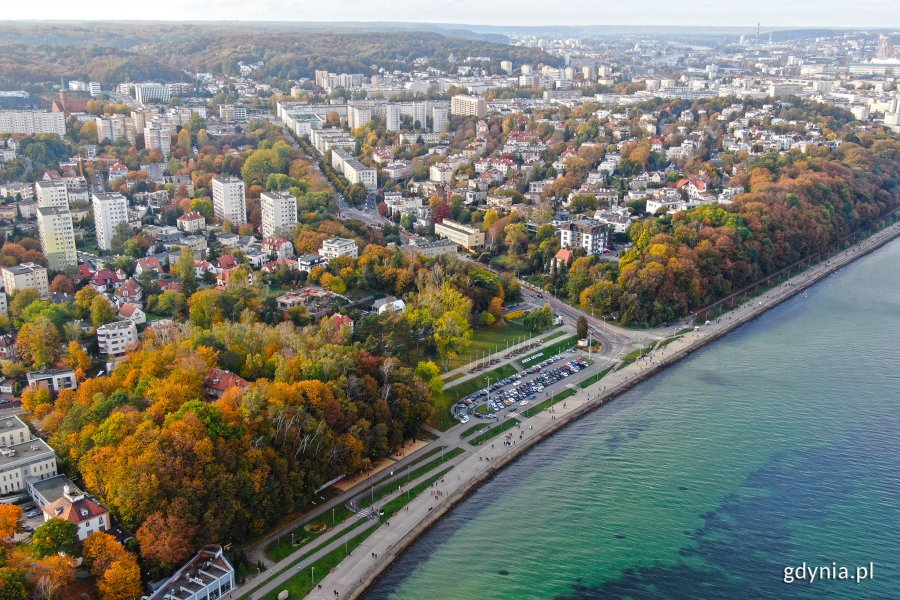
(221, 380)
(72, 511)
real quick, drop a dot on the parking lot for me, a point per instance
(520, 389)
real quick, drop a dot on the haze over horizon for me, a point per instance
(705, 13)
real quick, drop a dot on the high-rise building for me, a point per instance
(420, 115)
(392, 117)
(506, 65)
(114, 128)
(589, 234)
(439, 119)
(358, 116)
(279, 213)
(229, 203)
(110, 211)
(52, 194)
(158, 136)
(468, 106)
(145, 93)
(57, 237)
(32, 121)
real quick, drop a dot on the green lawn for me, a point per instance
(594, 378)
(633, 356)
(300, 584)
(473, 429)
(489, 340)
(440, 415)
(530, 412)
(551, 350)
(509, 423)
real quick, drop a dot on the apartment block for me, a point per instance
(32, 121)
(229, 203)
(468, 106)
(26, 275)
(57, 237)
(279, 213)
(590, 234)
(110, 211)
(51, 194)
(114, 339)
(334, 247)
(462, 235)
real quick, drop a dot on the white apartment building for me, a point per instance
(232, 114)
(229, 203)
(114, 128)
(439, 119)
(461, 235)
(334, 247)
(51, 194)
(158, 136)
(13, 431)
(57, 237)
(26, 275)
(586, 233)
(279, 213)
(392, 117)
(32, 121)
(145, 93)
(207, 576)
(468, 106)
(353, 170)
(110, 211)
(117, 337)
(358, 116)
(23, 463)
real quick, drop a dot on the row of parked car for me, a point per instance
(500, 395)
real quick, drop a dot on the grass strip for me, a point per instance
(530, 412)
(594, 378)
(509, 423)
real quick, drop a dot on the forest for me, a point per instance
(112, 53)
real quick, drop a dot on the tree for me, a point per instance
(452, 335)
(582, 327)
(100, 551)
(38, 343)
(12, 584)
(203, 308)
(53, 574)
(357, 193)
(166, 539)
(122, 580)
(55, 536)
(102, 311)
(9, 520)
(83, 300)
(78, 359)
(184, 268)
(540, 318)
(20, 301)
(62, 285)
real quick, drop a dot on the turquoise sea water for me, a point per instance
(777, 445)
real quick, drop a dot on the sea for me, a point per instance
(765, 465)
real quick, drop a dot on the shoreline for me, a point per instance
(354, 580)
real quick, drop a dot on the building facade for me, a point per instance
(279, 213)
(57, 237)
(462, 235)
(468, 106)
(32, 121)
(114, 339)
(589, 234)
(51, 194)
(26, 275)
(110, 211)
(334, 247)
(229, 203)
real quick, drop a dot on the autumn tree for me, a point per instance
(100, 550)
(78, 359)
(12, 584)
(122, 580)
(52, 574)
(62, 285)
(166, 539)
(9, 520)
(102, 311)
(39, 342)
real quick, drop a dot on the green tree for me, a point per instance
(184, 268)
(582, 327)
(452, 335)
(102, 311)
(20, 301)
(12, 584)
(540, 318)
(54, 536)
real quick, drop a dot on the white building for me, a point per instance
(13, 430)
(334, 247)
(191, 222)
(55, 380)
(32, 121)
(392, 117)
(279, 213)
(59, 498)
(26, 462)
(57, 237)
(439, 119)
(117, 337)
(229, 203)
(357, 116)
(52, 194)
(462, 235)
(145, 93)
(26, 275)
(468, 106)
(353, 170)
(207, 576)
(110, 211)
(114, 128)
(158, 136)
(586, 233)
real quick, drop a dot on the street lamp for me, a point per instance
(332, 515)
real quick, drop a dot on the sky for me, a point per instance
(741, 13)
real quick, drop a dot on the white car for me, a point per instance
(523, 403)
(464, 420)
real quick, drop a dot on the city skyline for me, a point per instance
(654, 13)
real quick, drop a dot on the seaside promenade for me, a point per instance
(353, 575)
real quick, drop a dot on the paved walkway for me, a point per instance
(351, 578)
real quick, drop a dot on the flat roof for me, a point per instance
(24, 451)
